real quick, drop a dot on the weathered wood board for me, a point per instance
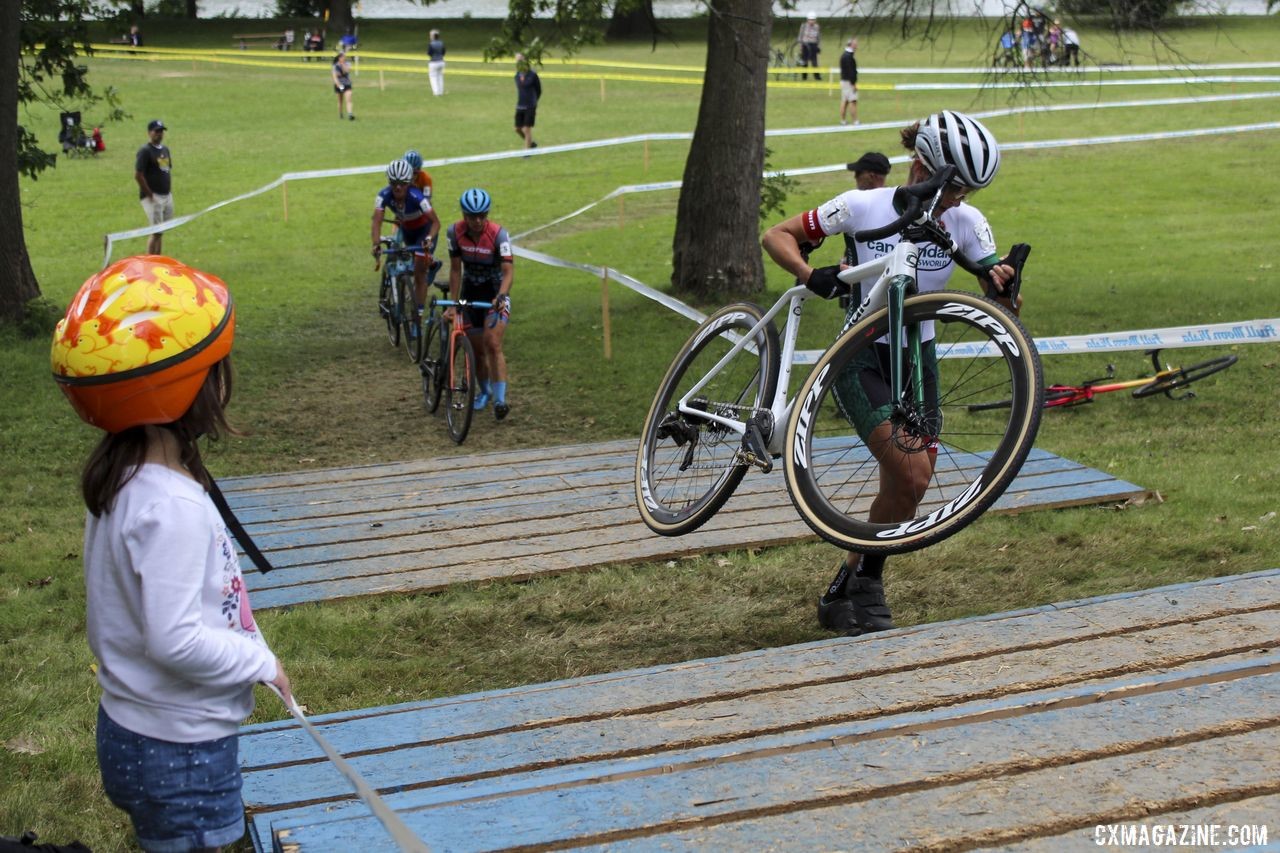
(1024, 729)
(419, 526)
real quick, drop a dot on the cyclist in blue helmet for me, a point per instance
(481, 268)
(421, 177)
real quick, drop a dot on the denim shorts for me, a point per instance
(180, 796)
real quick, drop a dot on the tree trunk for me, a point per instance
(193, 11)
(340, 19)
(716, 251)
(17, 280)
(634, 22)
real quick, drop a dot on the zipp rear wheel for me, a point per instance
(460, 389)
(1184, 376)
(687, 466)
(846, 441)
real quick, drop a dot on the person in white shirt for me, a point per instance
(144, 354)
(854, 602)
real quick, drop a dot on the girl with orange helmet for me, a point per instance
(144, 354)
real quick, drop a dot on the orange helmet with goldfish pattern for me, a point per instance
(139, 339)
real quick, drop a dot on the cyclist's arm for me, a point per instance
(782, 242)
(508, 274)
(433, 229)
(455, 277)
(376, 229)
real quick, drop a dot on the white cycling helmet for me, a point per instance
(951, 138)
(399, 172)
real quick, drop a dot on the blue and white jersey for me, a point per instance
(411, 213)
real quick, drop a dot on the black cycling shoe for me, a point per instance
(500, 410)
(861, 610)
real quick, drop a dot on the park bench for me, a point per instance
(243, 40)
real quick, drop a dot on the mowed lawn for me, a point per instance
(1126, 236)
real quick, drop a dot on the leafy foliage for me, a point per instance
(774, 189)
(52, 37)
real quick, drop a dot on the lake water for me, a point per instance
(444, 9)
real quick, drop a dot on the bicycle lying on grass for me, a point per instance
(396, 302)
(448, 366)
(1166, 380)
(723, 405)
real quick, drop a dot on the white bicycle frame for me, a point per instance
(902, 261)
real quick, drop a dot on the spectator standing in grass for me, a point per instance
(435, 63)
(809, 45)
(135, 36)
(342, 83)
(849, 83)
(167, 613)
(528, 93)
(153, 171)
(1070, 47)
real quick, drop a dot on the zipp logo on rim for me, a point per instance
(719, 325)
(804, 419)
(982, 318)
(938, 516)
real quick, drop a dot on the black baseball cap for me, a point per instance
(155, 124)
(872, 161)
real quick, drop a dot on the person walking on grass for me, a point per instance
(854, 602)
(849, 83)
(153, 172)
(143, 353)
(481, 267)
(435, 63)
(341, 72)
(528, 93)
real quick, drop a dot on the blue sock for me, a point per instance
(499, 392)
(484, 387)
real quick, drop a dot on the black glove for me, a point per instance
(824, 282)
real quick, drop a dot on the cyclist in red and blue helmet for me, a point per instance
(419, 224)
(481, 267)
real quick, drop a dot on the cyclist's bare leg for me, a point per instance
(491, 345)
(419, 281)
(482, 355)
(904, 479)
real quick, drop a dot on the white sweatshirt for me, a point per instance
(168, 615)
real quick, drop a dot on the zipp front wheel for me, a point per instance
(412, 334)
(687, 464)
(460, 388)
(924, 466)
(435, 350)
(1184, 376)
(387, 305)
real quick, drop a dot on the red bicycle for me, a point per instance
(448, 365)
(1166, 380)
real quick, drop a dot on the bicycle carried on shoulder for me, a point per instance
(448, 366)
(723, 405)
(396, 301)
(1166, 380)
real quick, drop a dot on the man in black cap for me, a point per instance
(870, 170)
(151, 169)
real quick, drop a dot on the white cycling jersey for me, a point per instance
(860, 210)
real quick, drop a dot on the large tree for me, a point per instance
(17, 280)
(715, 250)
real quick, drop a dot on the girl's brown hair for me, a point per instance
(116, 458)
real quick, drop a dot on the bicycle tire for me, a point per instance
(460, 389)
(408, 309)
(831, 473)
(677, 493)
(435, 349)
(1184, 376)
(387, 307)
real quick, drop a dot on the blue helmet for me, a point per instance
(413, 158)
(475, 200)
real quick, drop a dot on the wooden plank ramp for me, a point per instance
(420, 526)
(1024, 729)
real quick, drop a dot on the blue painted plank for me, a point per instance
(605, 733)
(627, 796)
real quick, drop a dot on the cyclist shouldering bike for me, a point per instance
(854, 602)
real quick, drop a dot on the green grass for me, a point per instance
(1125, 236)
